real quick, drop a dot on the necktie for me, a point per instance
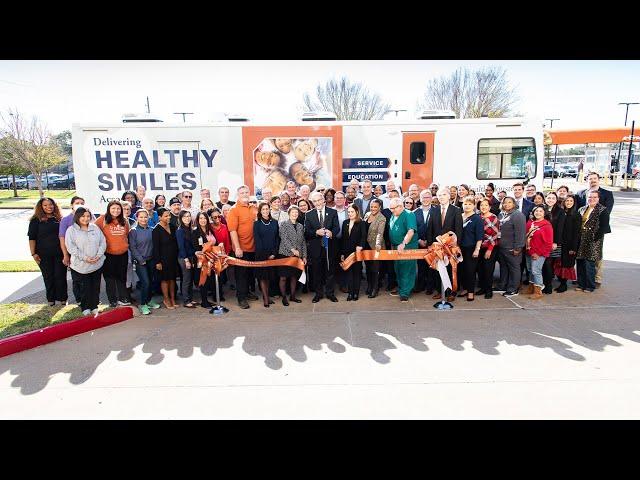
(443, 213)
(321, 219)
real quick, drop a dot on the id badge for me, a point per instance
(200, 242)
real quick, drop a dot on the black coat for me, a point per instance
(557, 222)
(452, 223)
(357, 238)
(312, 223)
(422, 226)
(570, 238)
(606, 198)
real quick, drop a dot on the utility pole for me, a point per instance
(148, 109)
(553, 172)
(392, 110)
(183, 115)
(626, 115)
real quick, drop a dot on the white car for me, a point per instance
(46, 179)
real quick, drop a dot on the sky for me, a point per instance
(580, 93)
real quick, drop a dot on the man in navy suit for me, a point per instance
(364, 202)
(319, 224)
(444, 218)
(606, 200)
(426, 275)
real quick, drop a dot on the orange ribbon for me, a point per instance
(444, 246)
(214, 258)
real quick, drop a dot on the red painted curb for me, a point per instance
(53, 333)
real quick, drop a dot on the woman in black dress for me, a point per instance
(354, 239)
(557, 218)
(165, 257)
(565, 266)
(202, 234)
(44, 243)
(267, 239)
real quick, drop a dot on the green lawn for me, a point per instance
(19, 318)
(18, 266)
(28, 198)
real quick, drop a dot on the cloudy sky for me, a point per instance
(579, 93)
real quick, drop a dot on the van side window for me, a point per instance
(510, 158)
(417, 152)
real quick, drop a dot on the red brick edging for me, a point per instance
(53, 333)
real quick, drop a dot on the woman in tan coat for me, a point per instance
(375, 222)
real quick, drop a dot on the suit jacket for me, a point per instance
(312, 223)
(377, 227)
(606, 198)
(452, 223)
(422, 226)
(527, 206)
(358, 202)
(357, 238)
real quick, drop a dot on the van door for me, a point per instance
(417, 159)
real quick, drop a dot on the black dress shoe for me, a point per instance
(316, 298)
(285, 302)
(349, 297)
(295, 300)
(332, 298)
(355, 298)
(243, 303)
(488, 295)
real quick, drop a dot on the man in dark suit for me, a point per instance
(606, 200)
(364, 202)
(426, 275)
(319, 224)
(606, 197)
(444, 218)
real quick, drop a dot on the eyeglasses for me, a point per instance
(187, 196)
(320, 190)
(408, 203)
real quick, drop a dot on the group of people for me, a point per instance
(143, 243)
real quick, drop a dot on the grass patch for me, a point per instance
(19, 318)
(19, 266)
(29, 198)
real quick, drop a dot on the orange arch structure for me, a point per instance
(594, 135)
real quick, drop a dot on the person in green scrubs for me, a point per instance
(402, 233)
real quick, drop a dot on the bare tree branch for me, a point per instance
(349, 101)
(472, 94)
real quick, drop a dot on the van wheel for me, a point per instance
(72, 186)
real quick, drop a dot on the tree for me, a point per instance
(471, 94)
(9, 165)
(30, 145)
(349, 101)
(63, 140)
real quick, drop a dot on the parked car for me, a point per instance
(5, 181)
(64, 182)
(567, 171)
(21, 182)
(548, 172)
(46, 180)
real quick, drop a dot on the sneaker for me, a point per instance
(499, 290)
(510, 294)
(152, 304)
(113, 304)
(94, 312)
(252, 296)
(145, 310)
(124, 303)
(86, 312)
(404, 299)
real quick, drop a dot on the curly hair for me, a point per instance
(38, 211)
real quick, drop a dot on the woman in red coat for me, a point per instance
(539, 247)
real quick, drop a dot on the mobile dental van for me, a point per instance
(169, 158)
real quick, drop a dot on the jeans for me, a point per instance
(535, 268)
(586, 274)
(145, 274)
(187, 280)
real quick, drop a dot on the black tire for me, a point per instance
(72, 186)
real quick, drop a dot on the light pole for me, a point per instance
(626, 115)
(553, 172)
(183, 115)
(395, 111)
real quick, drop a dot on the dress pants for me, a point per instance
(354, 275)
(323, 274)
(486, 267)
(469, 266)
(77, 286)
(244, 276)
(510, 270)
(54, 274)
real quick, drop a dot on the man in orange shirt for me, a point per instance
(240, 221)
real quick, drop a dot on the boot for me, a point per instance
(548, 289)
(563, 286)
(537, 293)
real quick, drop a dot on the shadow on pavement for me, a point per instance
(559, 322)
